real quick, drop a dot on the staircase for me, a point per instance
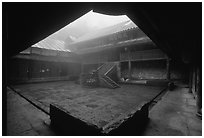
(103, 72)
(109, 82)
(103, 76)
(104, 69)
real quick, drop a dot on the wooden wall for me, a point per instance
(142, 55)
(179, 70)
(88, 68)
(23, 70)
(101, 57)
(119, 54)
(152, 69)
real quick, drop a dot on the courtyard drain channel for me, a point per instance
(38, 107)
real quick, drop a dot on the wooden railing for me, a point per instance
(143, 55)
(112, 83)
(105, 68)
(99, 77)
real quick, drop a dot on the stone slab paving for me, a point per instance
(23, 119)
(174, 115)
(97, 106)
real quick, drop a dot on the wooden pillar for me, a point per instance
(129, 65)
(129, 69)
(199, 92)
(194, 81)
(30, 66)
(168, 69)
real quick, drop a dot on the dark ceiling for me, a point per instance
(176, 28)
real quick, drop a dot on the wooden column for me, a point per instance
(199, 92)
(129, 69)
(194, 81)
(129, 65)
(168, 69)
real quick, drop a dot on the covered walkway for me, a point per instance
(175, 115)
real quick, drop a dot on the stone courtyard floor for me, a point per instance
(173, 115)
(23, 119)
(97, 106)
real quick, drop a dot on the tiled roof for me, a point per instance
(107, 31)
(51, 44)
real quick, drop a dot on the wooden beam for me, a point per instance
(48, 58)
